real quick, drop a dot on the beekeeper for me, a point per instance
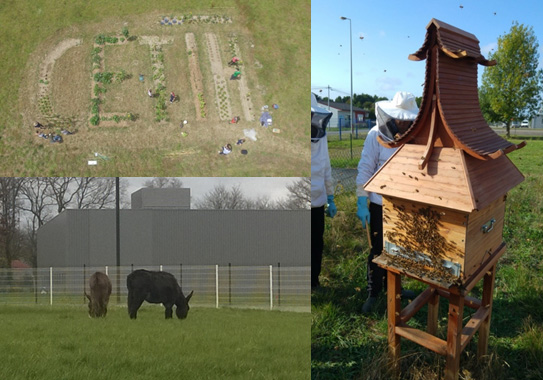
(394, 118)
(322, 188)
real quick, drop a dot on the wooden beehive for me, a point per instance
(444, 189)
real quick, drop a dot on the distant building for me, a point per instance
(147, 198)
(341, 114)
(537, 122)
(175, 235)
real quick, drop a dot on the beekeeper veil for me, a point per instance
(319, 120)
(391, 114)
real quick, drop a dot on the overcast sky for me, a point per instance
(252, 187)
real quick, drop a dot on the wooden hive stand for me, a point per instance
(444, 191)
(458, 336)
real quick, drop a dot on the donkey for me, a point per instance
(100, 290)
(156, 287)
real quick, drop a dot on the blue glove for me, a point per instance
(332, 209)
(363, 212)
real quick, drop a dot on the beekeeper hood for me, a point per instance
(391, 113)
(319, 120)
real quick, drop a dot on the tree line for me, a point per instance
(26, 204)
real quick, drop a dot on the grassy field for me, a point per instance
(348, 345)
(39, 342)
(272, 38)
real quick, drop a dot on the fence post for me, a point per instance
(107, 270)
(84, 281)
(51, 285)
(271, 287)
(160, 268)
(217, 286)
(339, 124)
(230, 283)
(279, 283)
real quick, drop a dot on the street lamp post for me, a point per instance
(351, 102)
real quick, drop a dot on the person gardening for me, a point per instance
(393, 119)
(236, 74)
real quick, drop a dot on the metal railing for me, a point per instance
(265, 287)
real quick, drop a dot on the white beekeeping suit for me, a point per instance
(322, 187)
(321, 172)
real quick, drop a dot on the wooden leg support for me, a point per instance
(488, 292)
(433, 308)
(394, 309)
(454, 336)
(458, 336)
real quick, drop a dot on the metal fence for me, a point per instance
(266, 287)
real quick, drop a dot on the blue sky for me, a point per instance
(394, 29)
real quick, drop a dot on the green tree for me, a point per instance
(511, 89)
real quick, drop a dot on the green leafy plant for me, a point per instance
(104, 77)
(100, 39)
(121, 76)
(125, 32)
(116, 118)
(98, 90)
(95, 120)
(95, 109)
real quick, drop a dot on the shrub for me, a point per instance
(103, 77)
(95, 120)
(100, 39)
(95, 103)
(125, 32)
(111, 40)
(98, 90)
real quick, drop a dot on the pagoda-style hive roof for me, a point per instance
(451, 179)
(449, 157)
(450, 113)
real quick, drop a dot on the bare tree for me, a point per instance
(221, 198)
(261, 203)
(60, 191)
(94, 192)
(299, 195)
(37, 202)
(163, 182)
(9, 216)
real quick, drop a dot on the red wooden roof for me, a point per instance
(450, 113)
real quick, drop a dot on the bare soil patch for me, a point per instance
(130, 95)
(196, 80)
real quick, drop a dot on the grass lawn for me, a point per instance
(348, 345)
(271, 38)
(41, 342)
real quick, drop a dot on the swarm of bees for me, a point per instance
(416, 232)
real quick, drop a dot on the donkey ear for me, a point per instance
(86, 295)
(187, 298)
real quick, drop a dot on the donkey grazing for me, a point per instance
(156, 287)
(100, 290)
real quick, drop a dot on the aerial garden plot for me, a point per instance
(158, 93)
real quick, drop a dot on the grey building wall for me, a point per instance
(161, 198)
(172, 237)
